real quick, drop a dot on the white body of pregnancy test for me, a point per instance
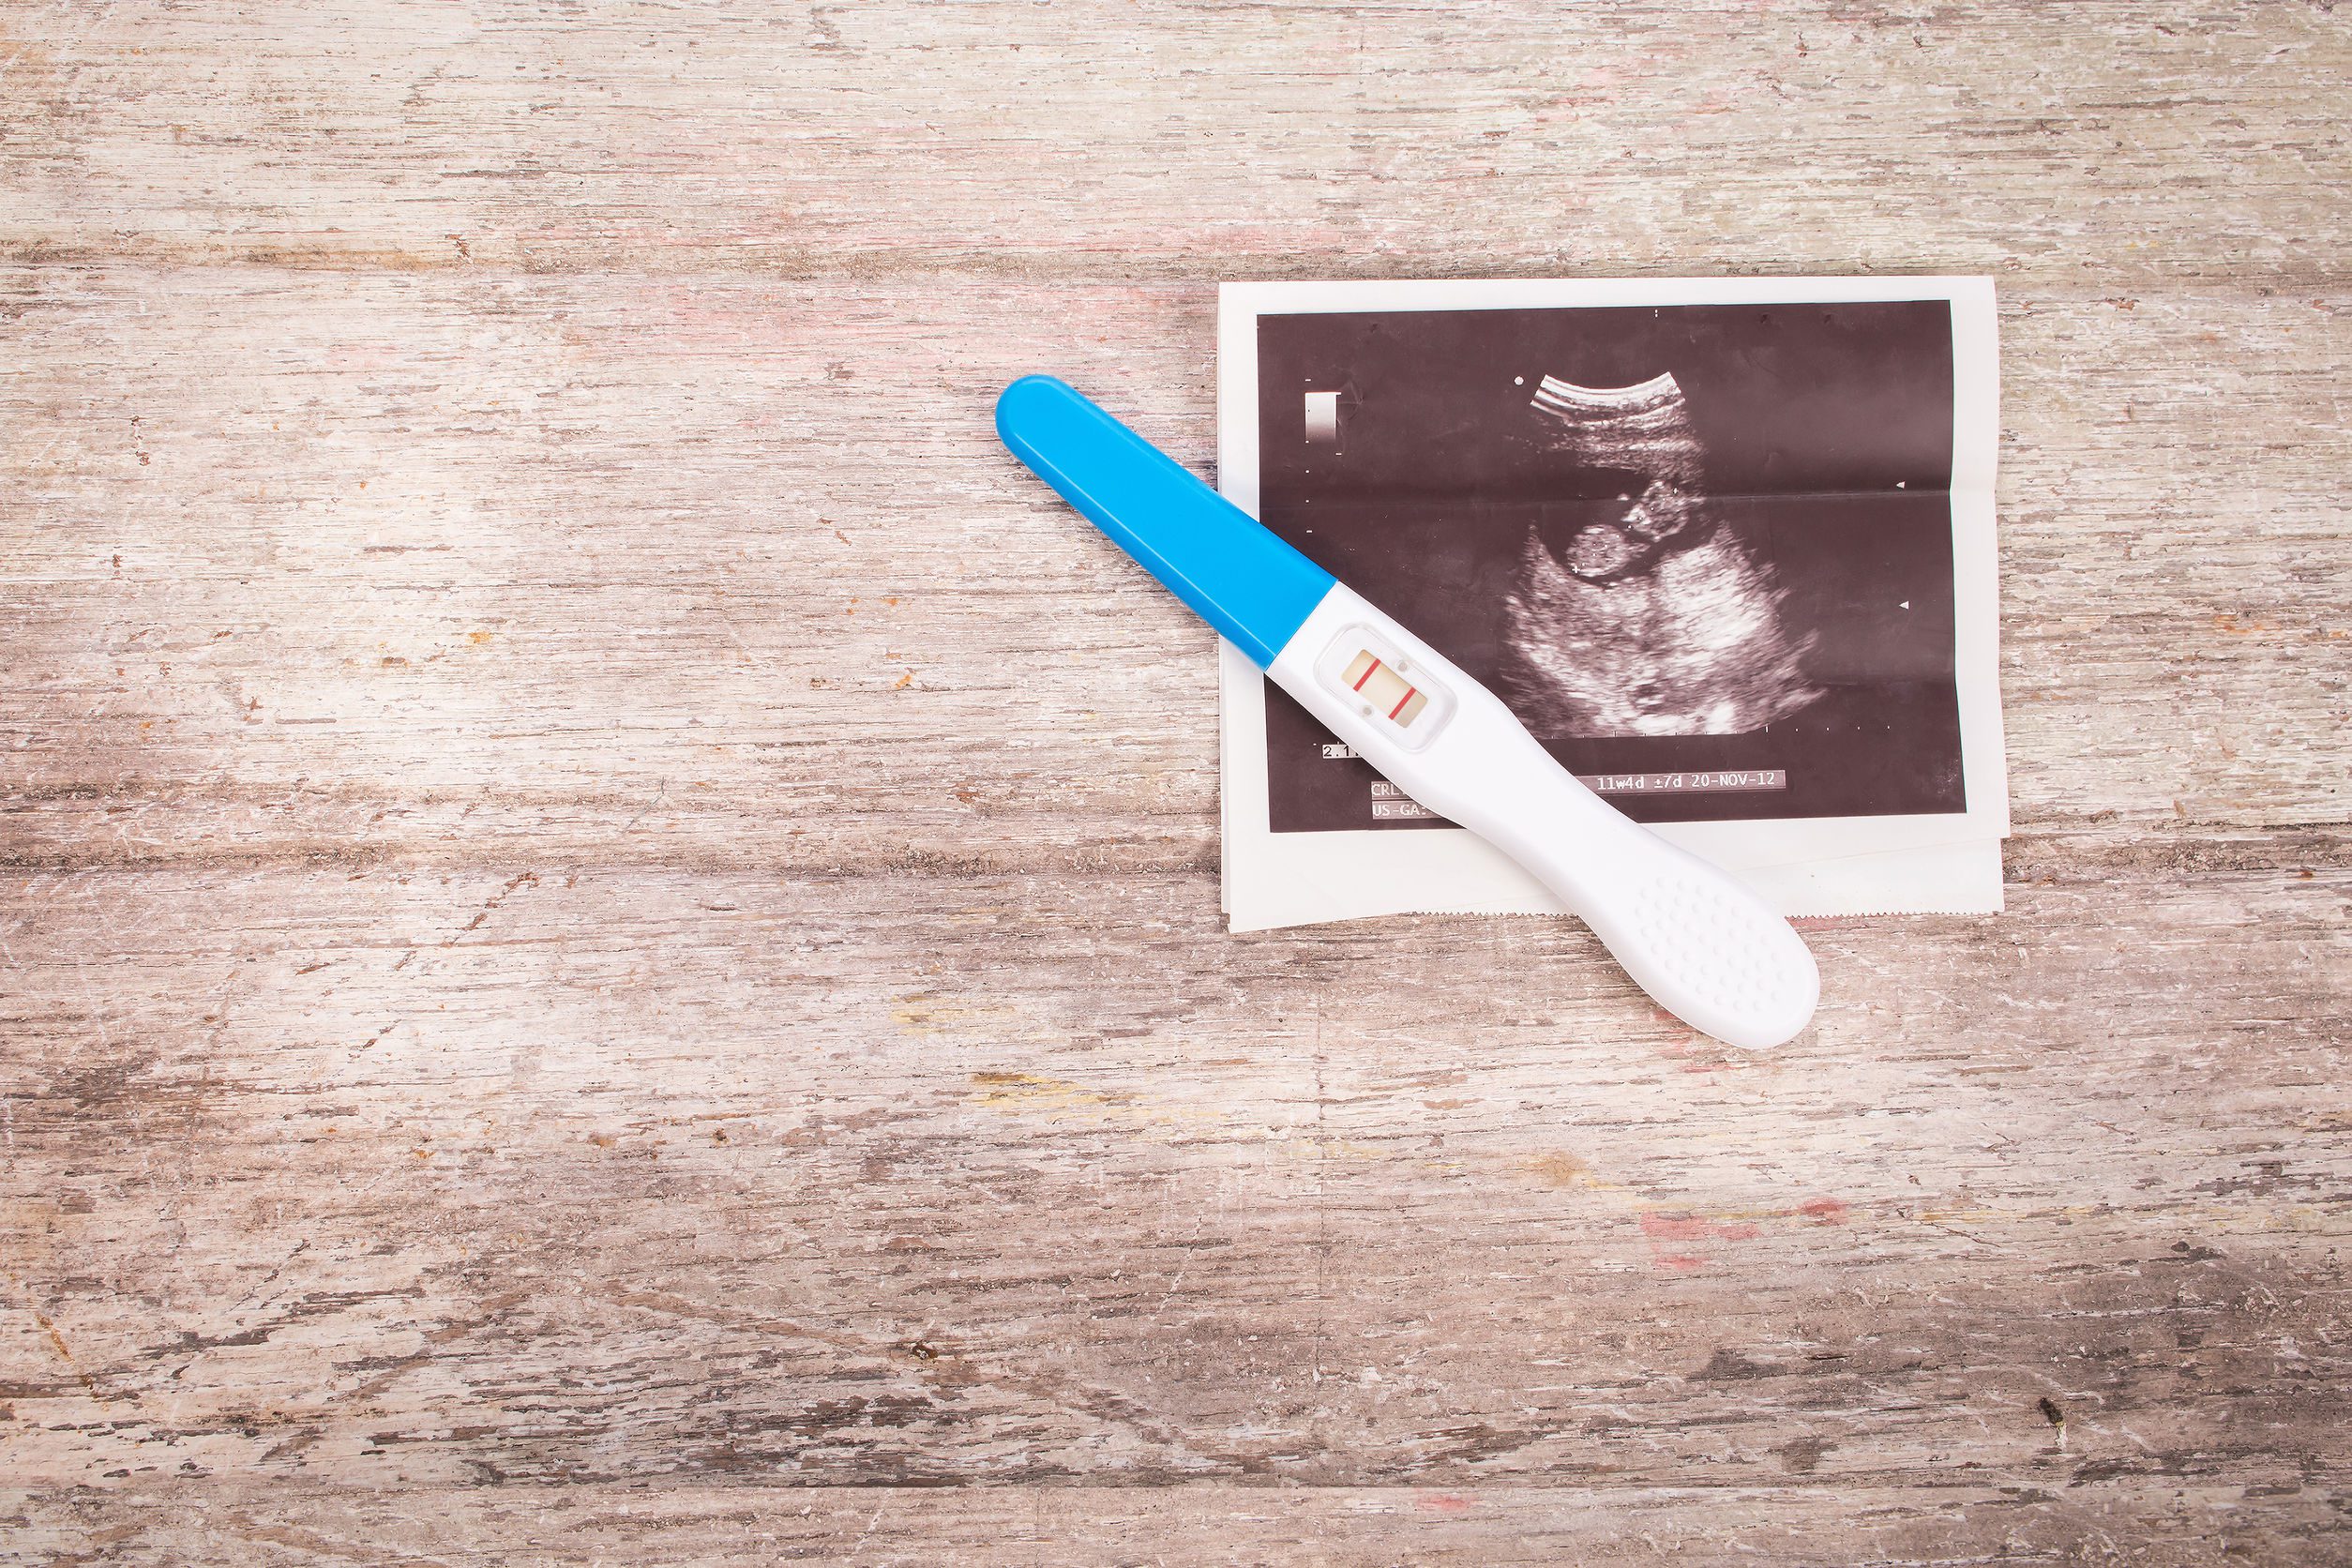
(1704, 946)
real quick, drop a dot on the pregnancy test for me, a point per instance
(1705, 948)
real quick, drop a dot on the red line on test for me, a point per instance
(1369, 671)
(1400, 702)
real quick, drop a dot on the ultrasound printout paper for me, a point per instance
(1724, 546)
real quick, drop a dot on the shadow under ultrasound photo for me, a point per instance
(1705, 553)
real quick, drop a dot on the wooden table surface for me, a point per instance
(609, 958)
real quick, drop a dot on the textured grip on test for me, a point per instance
(1711, 952)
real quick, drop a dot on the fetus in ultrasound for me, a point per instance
(1634, 611)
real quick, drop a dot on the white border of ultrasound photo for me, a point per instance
(1812, 866)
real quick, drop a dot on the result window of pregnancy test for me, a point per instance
(1370, 677)
(1365, 671)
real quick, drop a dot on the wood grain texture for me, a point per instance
(605, 955)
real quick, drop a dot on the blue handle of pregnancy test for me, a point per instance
(1254, 589)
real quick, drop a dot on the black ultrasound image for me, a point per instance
(1696, 539)
(1653, 619)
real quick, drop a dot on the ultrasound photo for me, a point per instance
(1705, 552)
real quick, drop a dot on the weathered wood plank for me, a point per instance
(2160, 1521)
(424, 1179)
(345, 567)
(2124, 141)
